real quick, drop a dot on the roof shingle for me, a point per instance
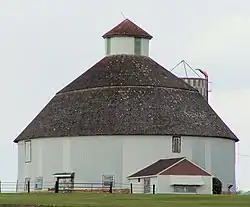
(129, 29)
(127, 95)
(173, 166)
(156, 167)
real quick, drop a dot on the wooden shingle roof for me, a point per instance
(127, 95)
(129, 29)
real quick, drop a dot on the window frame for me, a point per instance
(176, 144)
(137, 45)
(26, 144)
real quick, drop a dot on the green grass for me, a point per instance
(118, 200)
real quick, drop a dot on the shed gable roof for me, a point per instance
(185, 167)
(156, 167)
(174, 166)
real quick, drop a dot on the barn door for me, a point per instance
(146, 185)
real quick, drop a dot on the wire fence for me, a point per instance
(69, 187)
(57, 187)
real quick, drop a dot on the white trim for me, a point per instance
(27, 148)
(141, 177)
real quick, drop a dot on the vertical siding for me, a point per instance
(53, 159)
(21, 165)
(98, 156)
(66, 154)
(223, 161)
(198, 155)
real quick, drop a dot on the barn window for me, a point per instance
(107, 180)
(191, 189)
(39, 183)
(185, 189)
(179, 188)
(27, 148)
(176, 144)
(137, 47)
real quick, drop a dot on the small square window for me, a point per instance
(39, 183)
(176, 144)
(107, 180)
(185, 189)
(179, 188)
(191, 189)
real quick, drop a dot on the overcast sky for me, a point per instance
(45, 44)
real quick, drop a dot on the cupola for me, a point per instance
(127, 38)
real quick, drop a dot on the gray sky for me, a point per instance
(45, 44)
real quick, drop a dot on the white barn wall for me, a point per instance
(91, 157)
(209, 153)
(97, 156)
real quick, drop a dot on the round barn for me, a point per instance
(123, 114)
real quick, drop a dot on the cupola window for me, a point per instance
(108, 46)
(137, 49)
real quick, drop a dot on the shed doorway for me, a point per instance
(146, 185)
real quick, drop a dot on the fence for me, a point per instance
(56, 187)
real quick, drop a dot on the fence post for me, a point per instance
(56, 186)
(17, 186)
(28, 186)
(154, 189)
(131, 188)
(110, 187)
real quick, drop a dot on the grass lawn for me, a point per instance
(118, 200)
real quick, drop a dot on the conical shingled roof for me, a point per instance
(129, 29)
(127, 95)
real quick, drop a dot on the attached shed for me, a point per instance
(176, 175)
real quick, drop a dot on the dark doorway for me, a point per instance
(217, 186)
